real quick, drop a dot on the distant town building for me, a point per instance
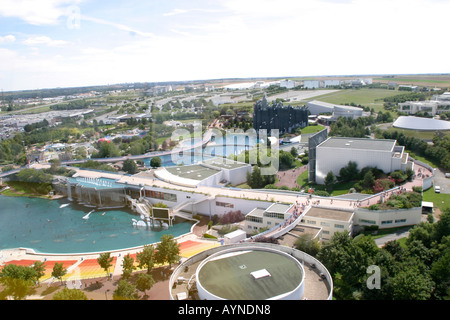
(432, 107)
(278, 116)
(311, 84)
(289, 84)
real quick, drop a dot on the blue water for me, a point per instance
(222, 146)
(97, 183)
(42, 225)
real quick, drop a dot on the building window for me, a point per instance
(400, 221)
(325, 224)
(310, 222)
(274, 215)
(254, 219)
(160, 195)
(386, 221)
(325, 232)
(224, 204)
(367, 221)
(339, 226)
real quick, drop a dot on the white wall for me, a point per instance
(333, 159)
(411, 216)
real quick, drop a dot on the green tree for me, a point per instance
(105, 261)
(306, 244)
(144, 282)
(130, 166)
(17, 281)
(294, 152)
(411, 284)
(155, 162)
(330, 179)
(167, 250)
(349, 172)
(70, 294)
(368, 180)
(125, 291)
(59, 271)
(128, 266)
(146, 258)
(39, 268)
(287, 160)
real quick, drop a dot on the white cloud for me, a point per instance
(44, 40)
(117, 26)
(42, 12)
(7, 39)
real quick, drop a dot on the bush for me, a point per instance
(232, 217)
(321, 193)
(374, 207)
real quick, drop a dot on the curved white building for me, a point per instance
(251, 271)
(317, 107)
(422, 124)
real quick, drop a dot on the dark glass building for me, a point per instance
(278, 116)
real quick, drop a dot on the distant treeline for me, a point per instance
(77, 104)
(438, 152)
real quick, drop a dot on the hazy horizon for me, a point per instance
(79, 43)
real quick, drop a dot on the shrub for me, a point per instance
(232, 217)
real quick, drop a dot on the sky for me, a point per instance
(68, 43)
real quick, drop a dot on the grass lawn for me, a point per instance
(440, 200)
(337, 189)
(372, 98)
(420, 158)
(425, 135)
(312, 129)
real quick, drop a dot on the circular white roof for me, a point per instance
(419, 123)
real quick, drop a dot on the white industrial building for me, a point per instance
(336, 152)
(316, 107)
(311, 84)
(432, 107)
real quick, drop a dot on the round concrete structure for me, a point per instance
(250, 274)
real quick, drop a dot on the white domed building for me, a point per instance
(251, 271)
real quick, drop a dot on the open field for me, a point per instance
(372, 98)
(440, 200)
(441, 81)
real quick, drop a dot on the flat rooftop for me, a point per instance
(194, 172)
(250, 275)
(223, 163)
(257, 212)
(358, 143)
(329, 214)
(278, 208)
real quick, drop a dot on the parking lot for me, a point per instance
(441, 181)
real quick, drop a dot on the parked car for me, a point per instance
(437, 189)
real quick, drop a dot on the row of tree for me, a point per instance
(18, 280)
(417, 270)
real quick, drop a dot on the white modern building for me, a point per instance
(317, 107)
(251, 271)
(330, 220)
(336, 152)
(432, 107)
(211, 172)
(266, 218)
